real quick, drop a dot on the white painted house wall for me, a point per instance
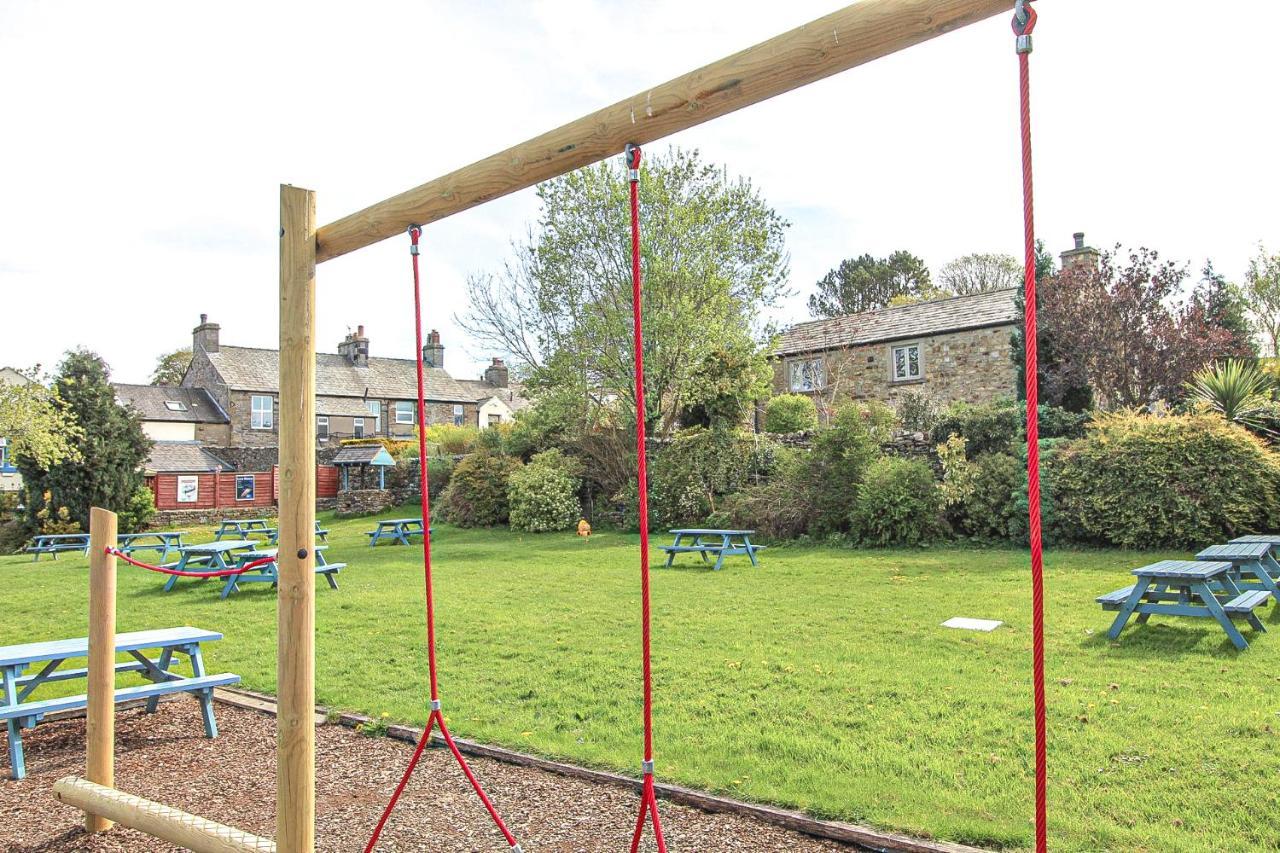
(494, 406)
(169, 431)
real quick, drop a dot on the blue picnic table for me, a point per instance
(1253, 564)
(397, 530)
(710, 541)
(20, 712)
(273, 534)
(243, 528)
(56, 543)
(1272, 539)
(1198, 588)
(209, 557)
(268, 573)
(163, 541)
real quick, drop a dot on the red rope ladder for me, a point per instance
(437, 717)
(648, 799)
(1024, 21)
(166, 570)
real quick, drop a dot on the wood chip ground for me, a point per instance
(232, 780)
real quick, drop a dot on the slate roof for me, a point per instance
(363, 454)
(343, 406)
(482, 391)
(149, 400)
(924, 319)
(185, 457)
(249, 369)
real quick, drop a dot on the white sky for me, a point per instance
(142, 145)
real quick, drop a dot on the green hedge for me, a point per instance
(477, 492)
(899, 503)
(997, 427)
(790, 413)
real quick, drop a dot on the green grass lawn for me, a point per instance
(821, 681)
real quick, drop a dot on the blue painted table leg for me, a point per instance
(1126, 609)
(724, 547)
(173, 579)
(229, 587)
(17, 764)
(1206, 595)
(166, 660)
(205, 696)
(1155, 587)
(671, 555)
(751, 551)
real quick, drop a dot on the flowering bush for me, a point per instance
(477, 492)
(543, 495)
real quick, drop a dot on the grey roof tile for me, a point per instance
(994, 308)
(197, 406)
(187, 457)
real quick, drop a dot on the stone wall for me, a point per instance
(972, 366)
(355, 502)
(169, 519)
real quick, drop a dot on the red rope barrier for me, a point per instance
(648, 800)
(436, 717)
(165, 570)
(1024, 22)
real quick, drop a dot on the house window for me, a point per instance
(357, 428)
(245, 487)
(495, 420)
(375, 409)
(404, 412)
(809, 374)
(262, 415)
(459, 416)
(906, 363)
(322, 426)
(4, 455)
(175, 406)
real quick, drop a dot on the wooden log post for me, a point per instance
(849, 37)
(101, 724)
(158, 820)
(295, 642)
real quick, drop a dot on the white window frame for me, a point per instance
(175, 405)
(795, 368)
(893, 362)
(4, 453)
(259, 417)
(459, 415)
(357, 427)
(322, 426)
(375, 409)
(403, 410)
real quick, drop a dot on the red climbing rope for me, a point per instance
(437, 717)
(165, 570)
(648, 799)
(1024, 21)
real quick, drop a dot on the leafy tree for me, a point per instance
(1061, 384)
(866, 283)
(978, 273)
(1125, 326)
(1262, 289)
(732, 378)
(171, 367)
(38, 429)
(1224, 305)
(108, 438)
(714, 259)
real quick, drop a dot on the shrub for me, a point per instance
(689, 476)
(140, 509)
(544, 493)
(775, 508)
(996, 504)
(1184, 481)
(439, 472)
(477, 492)
(839, 459)
(453, 440)
(917, 412)
(1237, 390)
(996, 427)
(899, 504)
(790, 413)
(494, 439)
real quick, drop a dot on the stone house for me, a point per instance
(948, 349)
(174, 413)
(357, 395)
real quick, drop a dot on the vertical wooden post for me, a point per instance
(101, 728)
(295, 642)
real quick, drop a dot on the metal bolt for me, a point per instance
(302, 553)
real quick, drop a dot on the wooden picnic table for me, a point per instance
(242, 528)
(55, 543)
(710, 541)
(398, 530)
(269, 573)
(165, 541)
(1253, 564)
(1197, 588)
(209, 557)
(20, 712)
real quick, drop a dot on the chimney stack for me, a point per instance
(433, 350)
(355, 348)
(497, 374)
(1080, 254)
(205, 336)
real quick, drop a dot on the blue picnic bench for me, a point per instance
(243, 528)
(709, 541)
(1253, 565)
(269, 573)
(208, 557)
(396, 530)
(56, 543)
(1197, 588)
(273, 534)
(20, 712)
(163, 541)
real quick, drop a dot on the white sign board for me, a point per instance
(188, 490)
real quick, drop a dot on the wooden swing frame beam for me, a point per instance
(852, 36)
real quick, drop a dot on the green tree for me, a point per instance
(1262, 290)
(866, 283)
(171, 367)
(39, 430)
(979, 273)
(108, 438)
(713, 257)
(1062, 384)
